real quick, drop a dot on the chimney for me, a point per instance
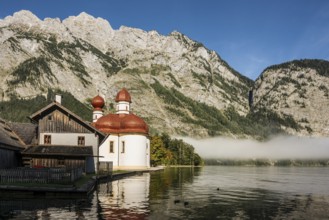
(58, 99)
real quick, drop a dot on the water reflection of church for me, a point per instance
(125, 198)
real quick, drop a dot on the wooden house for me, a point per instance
(63, 139)
(10, 147)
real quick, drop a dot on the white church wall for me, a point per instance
(136, 154)
(148, 149)
(135, 150)
(104, 150)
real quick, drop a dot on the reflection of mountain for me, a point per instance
(174, 177)
(259, 204)
(238, 192)
(125, 198)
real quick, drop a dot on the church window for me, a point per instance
(47, 139)
(123, 147)
(111, 147)
(81, 140)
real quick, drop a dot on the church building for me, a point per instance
(127, 144)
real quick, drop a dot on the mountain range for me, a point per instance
(177, 85)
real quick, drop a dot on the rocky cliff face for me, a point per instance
(177, 85)
(300, 89)
(167, 76)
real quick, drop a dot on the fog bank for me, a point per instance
(281, 147)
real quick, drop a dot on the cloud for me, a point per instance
(277, 148)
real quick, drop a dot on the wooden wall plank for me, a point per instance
(58, 122)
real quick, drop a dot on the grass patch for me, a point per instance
(120, 171)
(83, 180)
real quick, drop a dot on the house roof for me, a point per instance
(59, 150)
(26, 131)
(54, 105)
(8, 138)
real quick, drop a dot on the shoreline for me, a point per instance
(85, 189)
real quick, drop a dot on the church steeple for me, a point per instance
(98, 104)
(123, 100)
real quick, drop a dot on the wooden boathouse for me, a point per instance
(63, 140)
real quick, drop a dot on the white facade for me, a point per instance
(129, 151)
(74, 139)
(70, 139)
(123, 107)
(97, 114)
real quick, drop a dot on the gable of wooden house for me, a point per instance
(62, 136)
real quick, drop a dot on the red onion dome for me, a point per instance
(123, 95)
(133, 124)
(110, 123)
(98, 102)
(121, 123)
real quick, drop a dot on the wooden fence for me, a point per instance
(40, 175)
(105, 168)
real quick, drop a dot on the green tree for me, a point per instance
(159, 154)
(168, 151)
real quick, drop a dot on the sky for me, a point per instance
(249, 35)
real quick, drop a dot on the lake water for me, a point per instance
(210, 192)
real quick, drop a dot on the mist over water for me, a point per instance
(281, 147)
